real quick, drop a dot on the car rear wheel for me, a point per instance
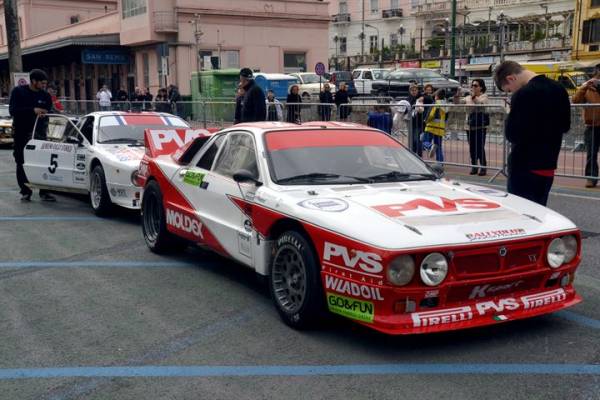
(154, 224)
(99, 197)
(295, 281)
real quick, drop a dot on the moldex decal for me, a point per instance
(184, 223)
(351, 308)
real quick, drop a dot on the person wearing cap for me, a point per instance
(253, 104)
(589, 93)
(27, 102)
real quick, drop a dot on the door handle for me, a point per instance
(30, 147)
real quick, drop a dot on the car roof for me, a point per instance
(260, 128)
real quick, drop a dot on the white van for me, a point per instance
(364, 77)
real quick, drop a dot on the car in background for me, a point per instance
(6, 132)
(338, 77)
(364, 78)
(397, 82)
(310, 85)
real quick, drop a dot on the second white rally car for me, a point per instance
(99, 155)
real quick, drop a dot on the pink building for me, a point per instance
(152, 43)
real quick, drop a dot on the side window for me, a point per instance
(367, 75)
(87, 128)
(355, 74)
(238, 153)
(206, 161)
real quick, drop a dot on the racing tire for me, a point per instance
(295, 281)
(154, 224)
(99, 197)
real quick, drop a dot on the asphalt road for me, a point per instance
(87, 312)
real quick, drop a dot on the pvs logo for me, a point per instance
(340, 255)
(179, 138)
(444, 205)
(184, 223)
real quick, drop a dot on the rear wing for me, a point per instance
(175, 142)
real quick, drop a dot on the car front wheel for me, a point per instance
(295, 282)
(99, 197)
(154, 224)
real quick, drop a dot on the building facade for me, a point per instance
(586, 38)
(153, 43)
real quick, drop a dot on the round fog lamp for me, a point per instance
(556, 253)
(570, 247)
(434, 269)
(401, 270)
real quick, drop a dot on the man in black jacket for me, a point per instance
(27, 102)
(540, 114)
(253, 105)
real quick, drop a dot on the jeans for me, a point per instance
(530, 186)
(592, 145)
(429, 139)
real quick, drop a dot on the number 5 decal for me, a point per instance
(53, 163)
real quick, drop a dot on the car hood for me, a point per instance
(122, 154)
(418, 214)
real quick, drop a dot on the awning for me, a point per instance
(478, 67)
(586, 64)
(92, 40)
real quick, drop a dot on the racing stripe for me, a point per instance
(120, 120)
(143, 119)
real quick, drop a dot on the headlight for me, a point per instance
(401, 270)
(556, 254)
(570, 247)
(134, 176)
(434, 269)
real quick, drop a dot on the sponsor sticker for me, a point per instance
(184, 223)
(65, 148)
(487, 191)
(495, 234)
(118, 192)
(80, 157)
(424, 207)
(491, 307)
(343, 286)
(355, 260)
(80, 166)
(351, 308)
(329, 205)
(491, 290)
(193, 178)
(78, 177)
(54, 178)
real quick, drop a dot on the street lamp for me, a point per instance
(401, 31)
(546, 17)
(197, 35)
(376, 43)
(501, 25)
(336, 39)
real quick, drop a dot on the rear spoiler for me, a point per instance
(160, 142)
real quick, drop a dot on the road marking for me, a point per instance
(94, 264)
(579, 319)
(51, 218)
(299, 370)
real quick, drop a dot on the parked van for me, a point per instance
(364, 77)
(278, 83)
(562, 72)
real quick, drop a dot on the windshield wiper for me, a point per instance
(319, 175)
(403, 176)
(121, 140)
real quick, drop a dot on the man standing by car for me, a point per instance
(253, 106)
(589, 93)
(28, 102)
(540, 114)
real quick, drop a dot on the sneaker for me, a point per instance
(432, 149)
(26, 197)
(47, 197)
(482, 172)
(473, 171)
(590, 183)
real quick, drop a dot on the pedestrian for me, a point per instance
(148, 100)
(380, 119)
(57, 107)
(175, 100)
(589, 93)
(137, 100)
(104, 97)
(325, 97)
(274, 108)
(479, 120)
(239, 97)
(435, 127)
(342, 102)
(253, 106)
(122, 98)
(416, 120)
(540, 114)
(26, 103)
(161, 101)
(293, 105)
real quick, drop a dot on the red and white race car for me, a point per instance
(342, 217)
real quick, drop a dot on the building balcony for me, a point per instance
(393, 13)
(340, 18)
(165, 22)
(423, 7)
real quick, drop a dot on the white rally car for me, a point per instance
(98, 156)
(343, 218)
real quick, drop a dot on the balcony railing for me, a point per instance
(165, 21)
(429, 6)
(393, 13)
(341, 18)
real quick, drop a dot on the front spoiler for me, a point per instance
(478, 313)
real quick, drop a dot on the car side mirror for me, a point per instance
(243, 175)
(438, 170)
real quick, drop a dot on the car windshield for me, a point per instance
(326, 156)
(428, 75)
(400, 76)
(380, 73)
(4, 112)
(129, 128)
(310, 78)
